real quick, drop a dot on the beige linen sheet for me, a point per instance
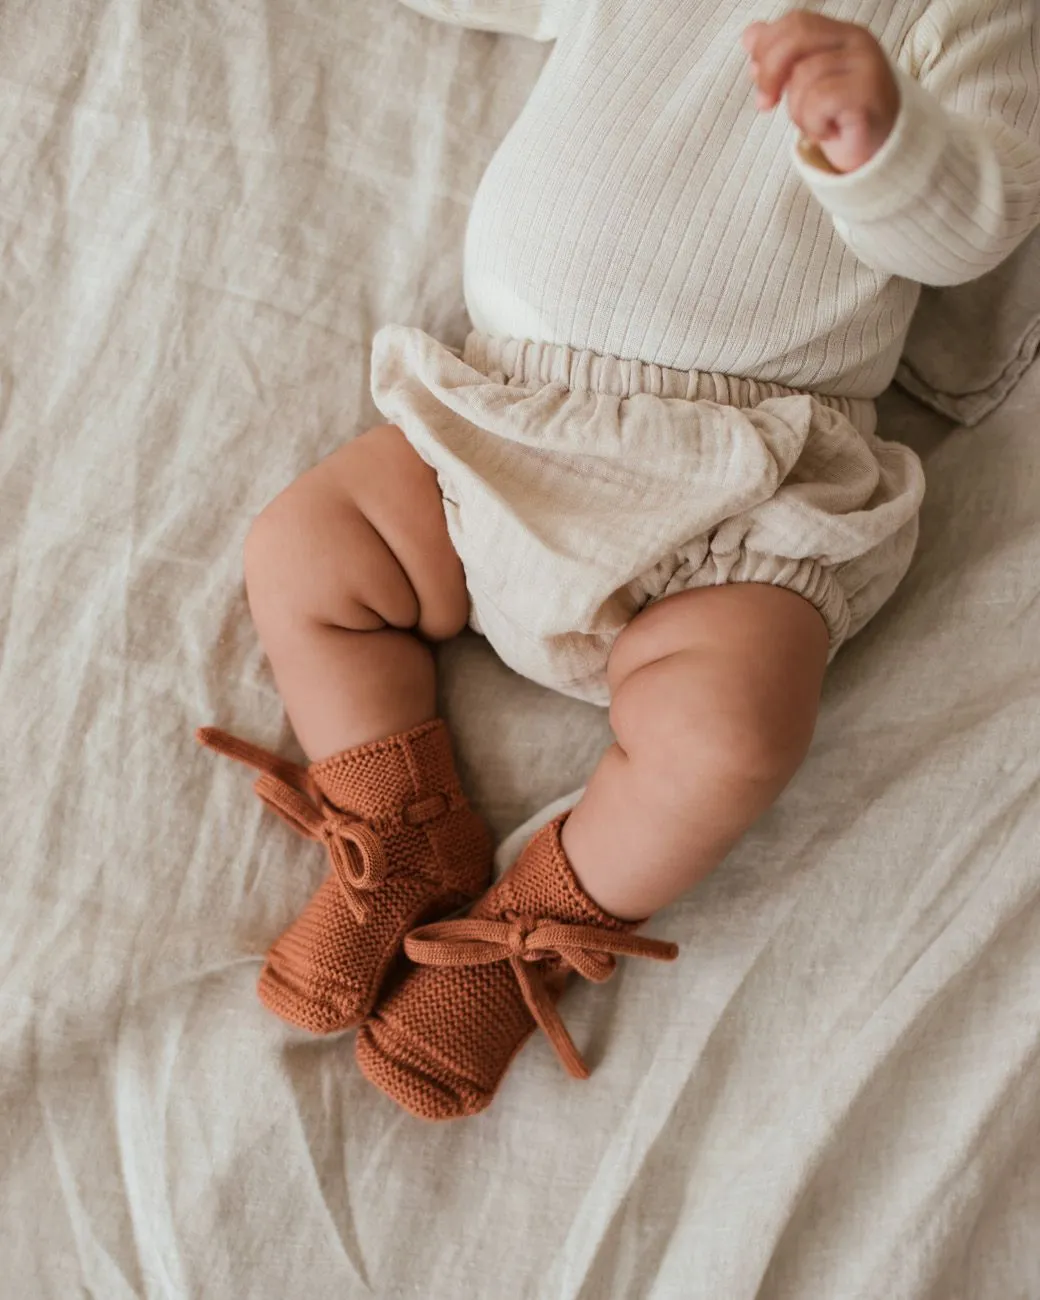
(206, 210)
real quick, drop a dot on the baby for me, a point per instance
(651, 479)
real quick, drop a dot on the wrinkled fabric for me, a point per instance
(207, 211)
(578, 489)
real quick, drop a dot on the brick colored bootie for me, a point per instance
(441, 1042)
(404, 846)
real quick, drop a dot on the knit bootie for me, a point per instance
(441, 1042)
(404, 847)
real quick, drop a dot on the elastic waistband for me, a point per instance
(520, 362)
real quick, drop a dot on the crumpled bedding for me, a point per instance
(206, 210)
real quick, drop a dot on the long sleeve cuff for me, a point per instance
(900, 174)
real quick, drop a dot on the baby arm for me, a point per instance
(539, 19)
(935, 177)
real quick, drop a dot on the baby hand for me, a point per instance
(841, 92)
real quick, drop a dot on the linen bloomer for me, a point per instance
(580, 488)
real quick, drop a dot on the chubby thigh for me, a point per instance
(342, 569)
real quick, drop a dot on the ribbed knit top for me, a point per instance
(640, 207)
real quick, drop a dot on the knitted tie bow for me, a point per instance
(525, 943)
(355, 850)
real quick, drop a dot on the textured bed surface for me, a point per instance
(206, 210)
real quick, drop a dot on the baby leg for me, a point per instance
(350, 573)
(714, 701)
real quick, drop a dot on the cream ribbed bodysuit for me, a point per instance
(641, 207)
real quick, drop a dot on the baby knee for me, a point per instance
(265, 552)
(683, 731)
(284, 558)
(755, 745)
(312, 557)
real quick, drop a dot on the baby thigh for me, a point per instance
(349, 572)
(714, 695)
